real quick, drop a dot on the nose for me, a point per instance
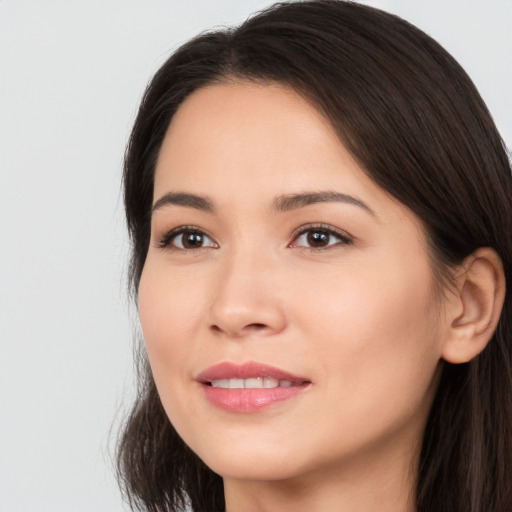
(246, 300)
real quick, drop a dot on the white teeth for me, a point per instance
(221, 383)
(253, 383)
(270, 382)
(236, 384)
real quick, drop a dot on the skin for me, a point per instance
(360, 319)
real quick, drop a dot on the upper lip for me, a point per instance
(249, 370)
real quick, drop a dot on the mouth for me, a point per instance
(254, 383)
(249, 387)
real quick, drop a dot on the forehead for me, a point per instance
(244, 144)
(238, 133)
(245, 116)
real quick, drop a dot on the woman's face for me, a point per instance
(272, 251)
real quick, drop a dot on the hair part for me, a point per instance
(413, 120)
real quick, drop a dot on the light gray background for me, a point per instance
(71, 75)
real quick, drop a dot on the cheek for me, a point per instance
(168, 315)
(377, 346)
(375, 333)
(361, 304)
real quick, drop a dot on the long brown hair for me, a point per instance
(415, 123)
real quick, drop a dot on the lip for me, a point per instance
(249, 400)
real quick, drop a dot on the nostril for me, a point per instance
(256, 327)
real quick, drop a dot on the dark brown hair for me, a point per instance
(415, 123)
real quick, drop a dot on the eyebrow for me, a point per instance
(284, 203)
(184, 199)
(294, 201)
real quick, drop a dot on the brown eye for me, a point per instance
(187, 239)
(320, 238)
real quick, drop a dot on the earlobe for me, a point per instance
(473, 316)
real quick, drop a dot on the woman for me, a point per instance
(320, 210)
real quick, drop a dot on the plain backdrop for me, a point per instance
(71, 76)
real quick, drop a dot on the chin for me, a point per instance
(263, 468)
(255, 461)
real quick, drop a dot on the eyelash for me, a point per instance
(171, 235)
(344, 239)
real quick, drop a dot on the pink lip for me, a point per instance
(248, 400)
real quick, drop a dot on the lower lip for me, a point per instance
(250, 400)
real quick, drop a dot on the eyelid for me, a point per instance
(164, 241)
(346, 238)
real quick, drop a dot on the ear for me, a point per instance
(474, 311)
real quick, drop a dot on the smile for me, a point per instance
(249, 387)
(254, 383)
